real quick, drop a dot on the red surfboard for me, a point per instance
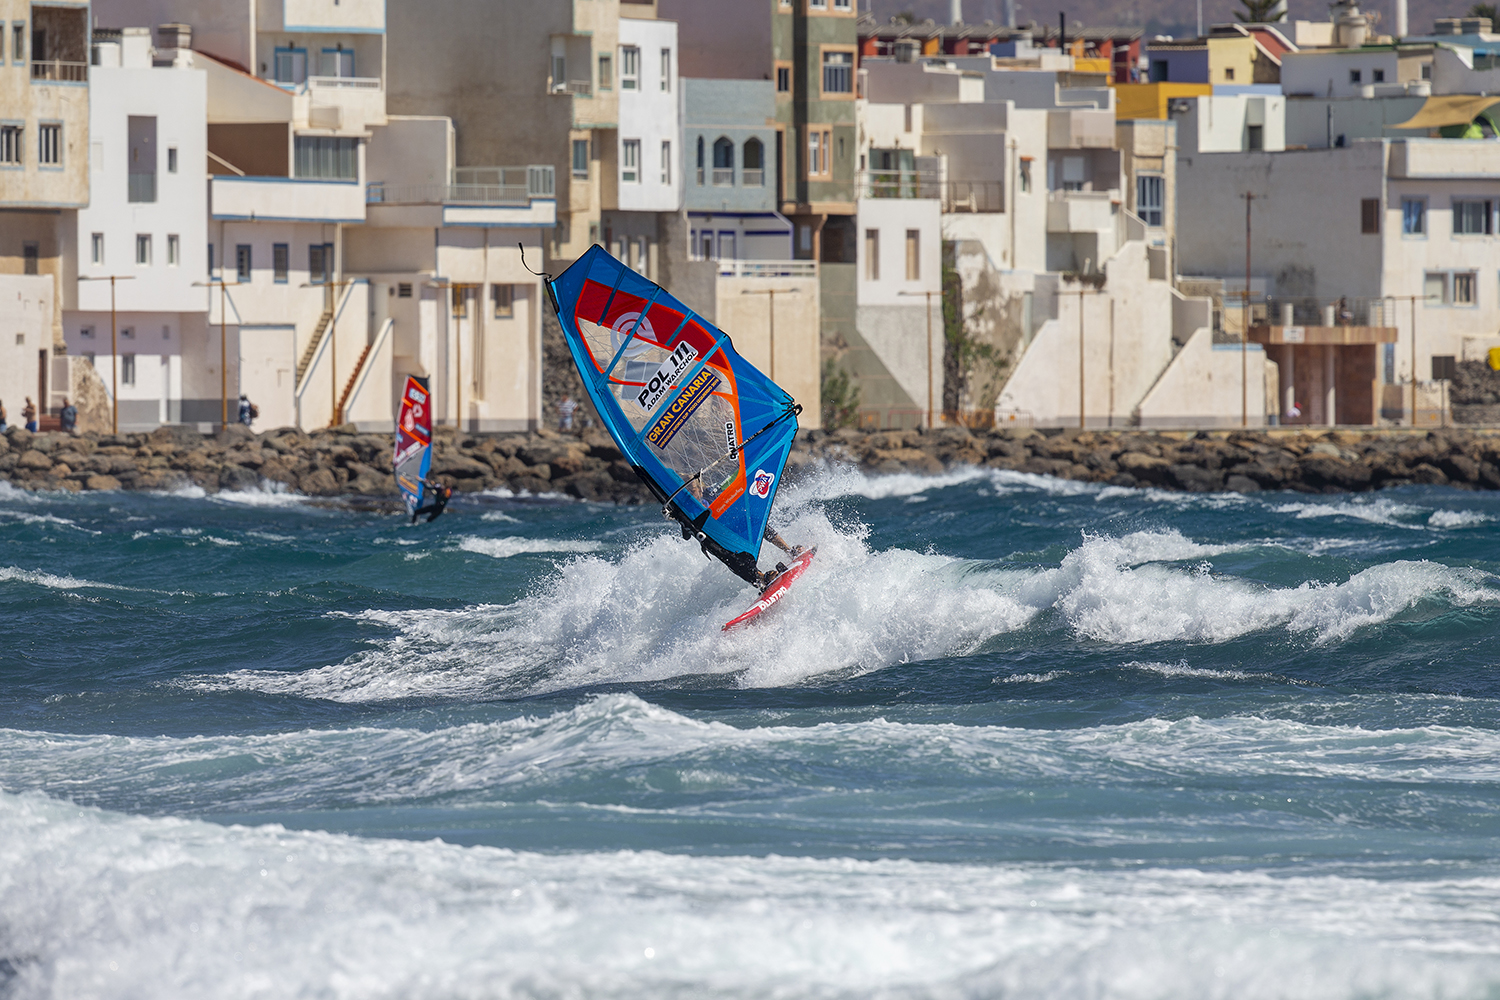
(775, 591)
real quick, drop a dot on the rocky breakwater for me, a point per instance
(341, 461)
(1305, 461)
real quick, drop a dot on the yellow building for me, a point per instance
(1152, 100)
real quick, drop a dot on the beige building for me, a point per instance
(44, 160)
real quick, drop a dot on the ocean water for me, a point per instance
(1009, 736)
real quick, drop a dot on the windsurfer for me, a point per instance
(762, 579)
(440, 496)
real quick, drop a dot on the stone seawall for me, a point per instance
(342, 461)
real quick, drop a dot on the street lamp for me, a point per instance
(221, 284)
(114, 357)
(771, 292)
(928, 296)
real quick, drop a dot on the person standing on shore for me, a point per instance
(247, 410)
(68, 417)
(28, 415)
(565, 413)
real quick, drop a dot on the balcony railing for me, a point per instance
(723, 177)
(345, 82)
(60, 72)
(142, 188)
(733, 268)
(753, 177)
(578, 88)
(899, 184)
(973, 196)
(472, 185)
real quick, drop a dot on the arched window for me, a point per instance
(723, 162)
(754, 173)
(700, 161)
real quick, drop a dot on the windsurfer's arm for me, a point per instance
(781, 543)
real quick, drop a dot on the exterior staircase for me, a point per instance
(349, 385)
(313, 342)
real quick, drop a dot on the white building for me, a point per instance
(145, 226)
(643, 177)
(1230, 122)
(1364, 228)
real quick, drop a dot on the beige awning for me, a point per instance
(1449, 109)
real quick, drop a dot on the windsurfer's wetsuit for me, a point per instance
(440, 495)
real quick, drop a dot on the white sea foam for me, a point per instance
(1457, 518)
(655, 612)
(1376, 510)
(504, 548)
(499, 515)
(267, 495)
(53, 581)
(26, 517)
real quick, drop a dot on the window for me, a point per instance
(872, 255)
(87, 333)
(322, 157)
(1414, 216)
(174, 245)
(1074, 169)
(460, 298)
(838, 72)
(31, 255)
(700, 161)
(49, 144)
(580, 157)
(841, 5)
(1463, 289)
(754, 172)
(1443, 367)
(166, 333)
(1472, 218)
(1229, 72)
(666, 69)
(171, 159)
(1150, 198)
(630, 68)
(10, 144)
(1025, 183)
(1160, 73)
(18, 42)
(1255, 137)
(1354, 76)
(403, 290)
(606, 71)
(210, 260)
(630, 161)
(818, 143)
(783, 79)
(1369, 215)
(242, 263)
(559, 73)
(1377, 75)
(143, 249)
(128, 333)
(818, 4)
(337, 61)
(1435, 289)
(291, 65)
(913, 255)
(503, 298)
(280, 258)
(319, 263)
(127, 369)
(666, 162)
(96, 248)
(723, 162)
(140, 164)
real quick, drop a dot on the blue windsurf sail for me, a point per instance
(705, 429)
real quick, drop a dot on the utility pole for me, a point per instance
(771, 293)
(1081, 292)
(1413, 299)
(114, 354)
(222, 286)
(1245, 333)
(928, 296)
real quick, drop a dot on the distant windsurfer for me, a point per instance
(440, 496)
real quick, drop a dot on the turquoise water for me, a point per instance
(1008, 736)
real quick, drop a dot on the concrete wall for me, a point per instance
(1220, 123)
(30, 103)
(744, 312)
(722, 39)
(27, 304)
(1319, 122)
(1208, 385)
(1327, 74)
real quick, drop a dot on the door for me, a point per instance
(268, 374)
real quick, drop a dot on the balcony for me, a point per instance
(286, 199)
(478, 196)
(723, 177)
(578, 88)
(1082, 211)
(973, 196)
(899, 184)
(344, 82)
(57, 71)
(753, 177)
(340, 103)
(1081, 129)
(734, 268)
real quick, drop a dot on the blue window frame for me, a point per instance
(1414, 216)
(290, 65)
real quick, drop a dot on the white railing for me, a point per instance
(899, 184)
(62, 72)
(474, 185)
(723, 177)
(354, 82)
(734, 268)
(578, 88)
(754, 177)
